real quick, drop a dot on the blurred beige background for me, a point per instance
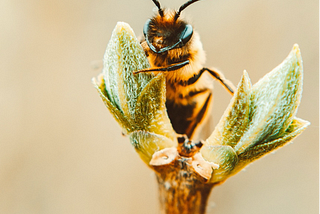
(62, 152)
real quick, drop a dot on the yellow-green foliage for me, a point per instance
(258, 120)
(137, 101)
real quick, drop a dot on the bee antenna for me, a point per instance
(183, 7)
(156, 2)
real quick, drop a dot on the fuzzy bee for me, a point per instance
(173, 47)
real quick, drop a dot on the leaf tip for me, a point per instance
(123, 27)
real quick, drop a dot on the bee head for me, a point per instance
(166, 31)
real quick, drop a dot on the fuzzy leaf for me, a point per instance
(274, 102)
(137, 101)
(150, 112)
(123, 56)
(222, 155)
(146, 144)
(296, 127)
(235, 118)
(259, 119)
(123, 121)
(140, 98)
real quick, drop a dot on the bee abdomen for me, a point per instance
(185, 118)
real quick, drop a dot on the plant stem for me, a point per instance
(181, 190)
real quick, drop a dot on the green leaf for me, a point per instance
(150, 112)
(274, 102)
(123, 121)
(123, 56)
(235, 119)
(224, 156)
(137, 101)
(146, 144)
(259, 119)
(296, 127)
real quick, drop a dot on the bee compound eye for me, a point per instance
(186, 34)
(146, 27)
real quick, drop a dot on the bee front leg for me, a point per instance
(164, 69)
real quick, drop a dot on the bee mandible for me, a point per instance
(173, 47)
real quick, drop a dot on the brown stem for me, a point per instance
(182, 176)
(181, 190)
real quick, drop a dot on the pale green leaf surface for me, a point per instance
(137, 101)
(146, 144)
(151, 112)
(258, 120)
(123, 56)
(274, 102)
(123, 121)
(297, 126)
(235, 119)
(222, 155)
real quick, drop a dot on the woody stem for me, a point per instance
(181, 191)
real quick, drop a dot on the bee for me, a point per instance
(173, 47)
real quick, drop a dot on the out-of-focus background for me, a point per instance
(62, 152)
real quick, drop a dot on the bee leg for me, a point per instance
(226, 83)
(164, 69)
(216, 74)
(200, 116)
(182, 138)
